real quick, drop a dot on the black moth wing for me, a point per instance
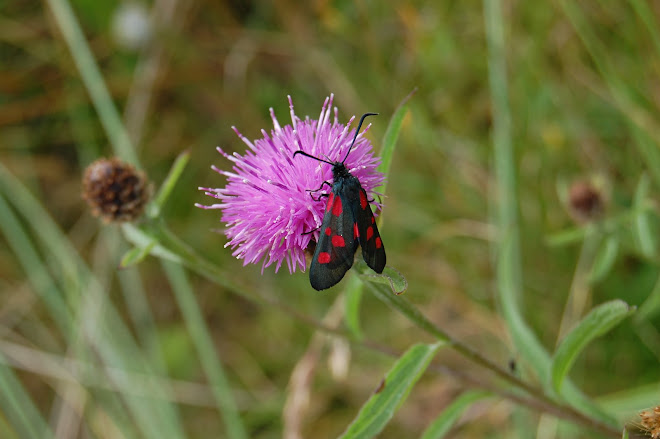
(373, 250)
(336, 245)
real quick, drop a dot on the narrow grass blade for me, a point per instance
(644, 235)
(567, 237)
(628, 402)
(507, 252)
(391, 137)
(146, 329)
(392, 392)
(605, 257)
(208, 355)
(651, 306)
(443, 423)
(169, 184)
(136, 255)
(93, 80)
(18, 408)
(598, 322)
(647, 16)
(34, 267)
(107, 333)
(353, 298)
(641, 123)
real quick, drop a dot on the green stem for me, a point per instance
(178, 251)
(185, 255)
(413, 314)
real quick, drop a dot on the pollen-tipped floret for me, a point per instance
(271, 203)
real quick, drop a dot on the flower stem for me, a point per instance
(404, 307)
(200, 265)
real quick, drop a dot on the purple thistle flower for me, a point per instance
(266, 204)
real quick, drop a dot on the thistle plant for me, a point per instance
(270, 211)
(128, 326)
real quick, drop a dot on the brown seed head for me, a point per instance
(115, 190)
(651, 422)
(585, 201)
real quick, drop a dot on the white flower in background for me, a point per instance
(131, 25)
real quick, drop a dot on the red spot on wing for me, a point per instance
(324, 258)
(363, 200)
(370, 232)
(330, 199)
(379, 243)
(338, 241)
(373, 220)
(356, 232)
(328, 231)
(336, 206)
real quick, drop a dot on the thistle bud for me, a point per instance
(115, 190)
(586, 201)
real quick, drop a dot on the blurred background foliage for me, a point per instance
(584, 96)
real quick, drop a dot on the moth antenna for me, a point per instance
(357, 132)
(312, 157)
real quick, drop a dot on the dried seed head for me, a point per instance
(651, 422)
(115, 190)
(586, 201)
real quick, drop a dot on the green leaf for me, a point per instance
(168, 185)
(408, 310)
(567, 237)
(390, 277)
(644, 236)
(627, 402)
(392, 392)
(443, 423)
(651, 306)
(598, 322)
(353, 298)
(605, 258)
(390, 138)
(136, 255)
(145, 239)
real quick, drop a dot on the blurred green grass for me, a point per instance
(583, 97)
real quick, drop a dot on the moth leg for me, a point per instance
(373, 199)
(310, 232)
(319, 198)
(315, 199)
(316, 190)
(321, 187)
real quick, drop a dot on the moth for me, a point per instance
(348, 222)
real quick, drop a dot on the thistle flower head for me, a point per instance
(269, 205)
